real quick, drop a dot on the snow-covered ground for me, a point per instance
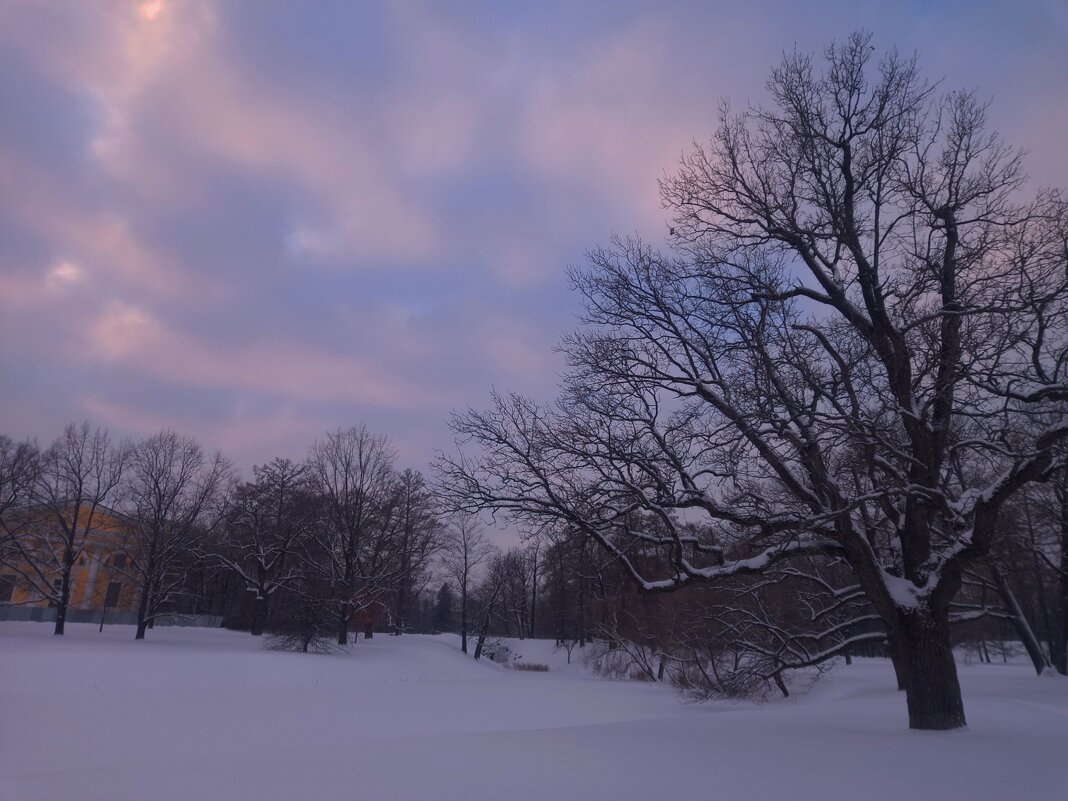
(206, 714)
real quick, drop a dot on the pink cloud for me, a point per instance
(611, 118)
(99, 240)
(236, 117)
(247, 436)
(133, 337)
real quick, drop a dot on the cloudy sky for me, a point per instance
(255, 221)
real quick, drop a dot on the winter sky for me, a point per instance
(255, 221)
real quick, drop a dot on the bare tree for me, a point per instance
(490, 591)
(465, 550)
(304, 618)
(417, 540)
(534, 565)
(174, 494)
(844, 358)
(352, 471)
(19, 467)
(1029, 570)
(75, 477)
(266, 523)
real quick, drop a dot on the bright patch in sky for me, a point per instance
(151, 9)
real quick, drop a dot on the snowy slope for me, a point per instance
(206, 714)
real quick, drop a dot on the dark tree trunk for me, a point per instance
(1040, 601)
(898, 658)
(582, 611)
(932, 689)
(343, 626)
(1060, 625)
(482, 632)
(259, 615)
(781, 685)
(1019, 622)
(403, 605)
(463, 622)
(64, 588)
(142, 615)
(534, 598)
(62, 603)
(483, 628)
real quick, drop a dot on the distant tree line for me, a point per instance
(311, 550)
(342, 540)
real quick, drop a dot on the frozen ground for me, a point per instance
(205, 714)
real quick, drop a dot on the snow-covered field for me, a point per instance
(206, 714)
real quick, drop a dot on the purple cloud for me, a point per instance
(253, 222)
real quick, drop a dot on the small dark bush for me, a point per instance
(303, 623)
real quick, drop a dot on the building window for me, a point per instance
(7, 589)
(119, 561)
(112, 597)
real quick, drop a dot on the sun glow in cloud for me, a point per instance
(64, 274)
(150, 9)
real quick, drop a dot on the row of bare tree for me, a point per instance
(164, 489)
(343, 531)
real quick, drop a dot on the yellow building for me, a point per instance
(99, 577)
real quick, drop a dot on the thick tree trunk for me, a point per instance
(259, 615)
(932, 689)
(898, 658)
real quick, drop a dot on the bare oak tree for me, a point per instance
(843, 358)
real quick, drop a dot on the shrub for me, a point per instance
(532, 667)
